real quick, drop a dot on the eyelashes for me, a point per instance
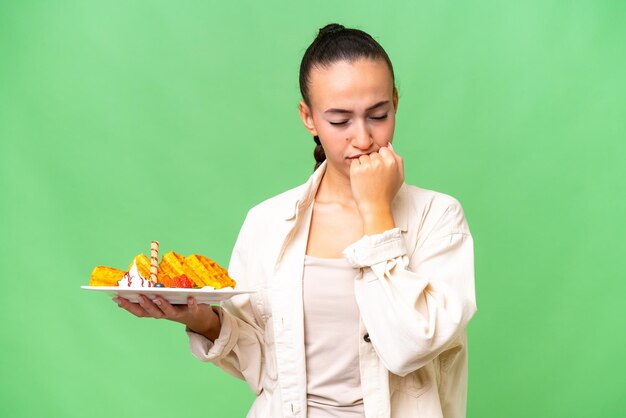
(383, 117)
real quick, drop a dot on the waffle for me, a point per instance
(105, 276)
(199, 270)
(205, 272)
(172, 264)
(143, 265)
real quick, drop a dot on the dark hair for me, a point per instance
(334, 43)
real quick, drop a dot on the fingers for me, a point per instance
(145, 308)
(389, 152)
(374, 157)
(170, 311)
(354, 166)
(192, 305)
(150, 307)
(390, 147)
(393, 151)
(133, 308)
(386, 153)
(390, 158)
(384, 157)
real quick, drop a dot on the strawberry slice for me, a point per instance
(181, 281)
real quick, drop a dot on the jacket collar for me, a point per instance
(306, 195)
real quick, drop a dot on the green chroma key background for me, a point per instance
(123, 122)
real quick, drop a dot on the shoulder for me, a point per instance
(281, 205)
(420, 195)
(436, 211)
(273, 210)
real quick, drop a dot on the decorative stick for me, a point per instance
(154, 261)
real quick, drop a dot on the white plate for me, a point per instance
(175, 296)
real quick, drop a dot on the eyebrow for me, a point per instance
(379, 104)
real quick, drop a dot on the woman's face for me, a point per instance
(353, 107)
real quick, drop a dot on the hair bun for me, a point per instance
(331, 28)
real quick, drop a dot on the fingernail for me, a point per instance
(158, 302)
(390, 145)
(141, 299)
(116, 300)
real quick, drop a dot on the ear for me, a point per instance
(307, 118)
(395, 98)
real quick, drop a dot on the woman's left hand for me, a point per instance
(375, 180)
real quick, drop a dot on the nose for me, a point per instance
(361, 137)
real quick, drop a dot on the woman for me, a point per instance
(365, 284)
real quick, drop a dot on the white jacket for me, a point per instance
(414, 286)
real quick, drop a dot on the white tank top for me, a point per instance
(331, 338)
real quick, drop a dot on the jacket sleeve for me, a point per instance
(414, 306)
(239, 348)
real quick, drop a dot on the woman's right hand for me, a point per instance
(199, 318)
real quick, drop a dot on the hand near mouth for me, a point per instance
(375, 180)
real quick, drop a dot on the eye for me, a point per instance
(338, 123)
(380, 117)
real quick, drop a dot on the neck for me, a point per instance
(335, 188)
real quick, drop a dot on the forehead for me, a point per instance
(350, 84)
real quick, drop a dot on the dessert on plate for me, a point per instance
(174, 271)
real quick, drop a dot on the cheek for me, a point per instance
(384, 132)
(330, 134)
(334, 143)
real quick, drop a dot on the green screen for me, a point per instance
(124, 122)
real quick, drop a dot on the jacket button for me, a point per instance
(366, 337)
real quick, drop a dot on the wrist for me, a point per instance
(210, 328)
(377, 220)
